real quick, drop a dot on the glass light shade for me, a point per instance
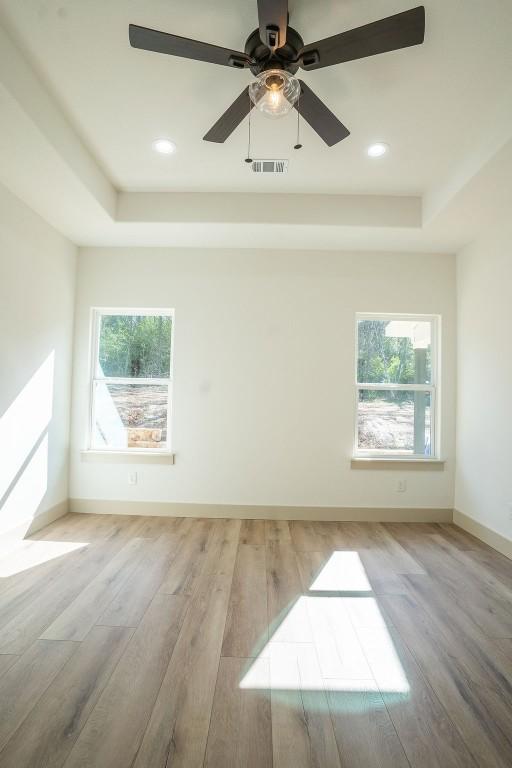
(274, 92)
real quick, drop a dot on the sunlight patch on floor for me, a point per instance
(30, 554)
(331, 642)
(343, 572)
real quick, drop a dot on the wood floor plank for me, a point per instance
(91, 528)
(428, 736)
(310, 565)
(252, 532)
(115, 527)
(358, 540)
(464, 637)
(80, 616)
(178, 729)
(331, 533)
(115, 728)
(303, 734)
(283, 579)
(48, 733)
(20, 586)
(364, 732)
(6, 662)
(481, 576)
(186, 568)
(342, 671)
(302, 731)
(306, 537)
(407, 532)
(74, 527)
(485, 599)
(402, 561)
(495, 563)
(505, 648)
(153, 527)
(461, 539)
(23, 684)
(356, 536)
(246, 631)
(277, 530)
(474, 706)
(240, 731)
(384, 558)
(131, 601)
(29, 561)
(381, 574)
(27, 612)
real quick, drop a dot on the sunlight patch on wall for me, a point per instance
(24, 499)
(24, 422)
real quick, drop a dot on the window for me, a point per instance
(396, 386)
(131, 380)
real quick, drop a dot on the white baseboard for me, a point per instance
(487, 535)
(248, 512)
(45, 518)
(14, 535)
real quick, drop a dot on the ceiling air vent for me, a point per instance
(270, 166)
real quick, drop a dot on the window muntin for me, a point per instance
(396, 386)
(131, 381)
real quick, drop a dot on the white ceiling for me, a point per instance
(79, 109)
(435, 104)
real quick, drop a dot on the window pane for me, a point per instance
(394, 421)
(394, 352)
(135, 346)
(130, 415)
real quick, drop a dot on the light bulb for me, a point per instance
(274, 92)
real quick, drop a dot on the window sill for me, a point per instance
(127, 457)
(414, 465)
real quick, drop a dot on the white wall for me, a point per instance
(484, 411)
(264, 362)
(37, 287)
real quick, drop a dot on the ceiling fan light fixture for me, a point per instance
(274, 92)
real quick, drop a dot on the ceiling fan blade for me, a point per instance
(399, 31)
(231, 118)
(273, 18)
(320, 117)
(163, 42)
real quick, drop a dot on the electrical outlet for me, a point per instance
(132, 478)
(401, 485)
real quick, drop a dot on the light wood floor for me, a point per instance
(148, 642)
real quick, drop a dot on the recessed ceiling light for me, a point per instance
(378, 149)
(164, 146)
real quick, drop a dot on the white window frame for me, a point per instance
(433, 389)
(96, 314)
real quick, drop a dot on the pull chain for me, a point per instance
(298, 145)
(248, 159)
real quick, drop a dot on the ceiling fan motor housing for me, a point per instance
(286, 57)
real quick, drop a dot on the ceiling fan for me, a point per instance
(274, 52)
